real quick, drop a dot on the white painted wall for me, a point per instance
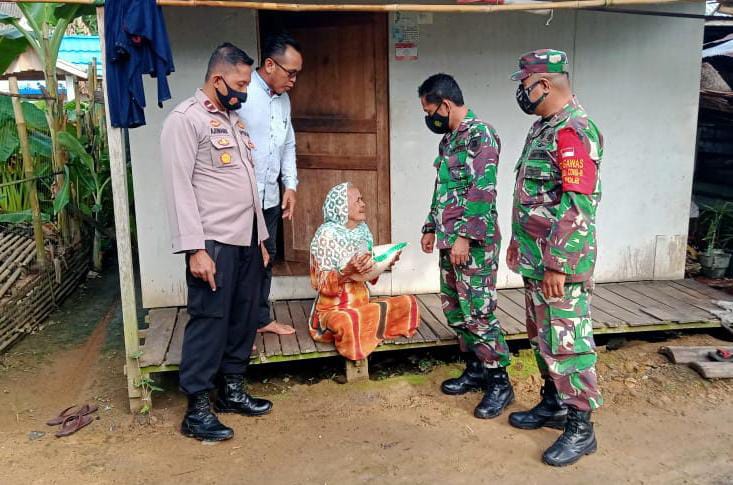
(637, 76)
(193, 33)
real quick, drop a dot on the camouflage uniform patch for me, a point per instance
(464, 204)
(464, 199)
(552, 228)
(561, 334)
(469, 300)
(555, 229)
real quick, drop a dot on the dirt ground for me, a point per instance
(661, 423)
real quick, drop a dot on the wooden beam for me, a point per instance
(25, 96)
(393, 7)
(120, 200)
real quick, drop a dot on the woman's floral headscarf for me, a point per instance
(334, 244)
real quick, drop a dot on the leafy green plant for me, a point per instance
(146, 385)
(13, 192)
(47, 24)
(714, 217)
(92, 177)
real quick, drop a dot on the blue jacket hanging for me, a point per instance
(137, 44)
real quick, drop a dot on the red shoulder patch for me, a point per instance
(579, 171)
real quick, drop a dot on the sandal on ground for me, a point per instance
(72, 424)
(82, 410)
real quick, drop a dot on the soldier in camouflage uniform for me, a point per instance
(463, 220)
(553, 247)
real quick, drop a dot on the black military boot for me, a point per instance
(200, 423)
(232, 398)
(472, 379)
(499, 394)
(577, 440)
(550, 411)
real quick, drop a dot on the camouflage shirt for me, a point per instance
(556, 196)
(464, 199)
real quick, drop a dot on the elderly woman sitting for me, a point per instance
(341, 257)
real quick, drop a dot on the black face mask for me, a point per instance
(525, 104)
(226, 100)
(437, 123)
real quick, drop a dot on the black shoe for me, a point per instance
(232, 398)
(200, 423)
(577, 440)
(499, 394)
(550, 412)
(472, 379)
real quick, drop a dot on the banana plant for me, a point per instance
(44, 27)
(91, 181)
(14, 199)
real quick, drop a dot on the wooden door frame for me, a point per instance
(384, 211)
(381, 80)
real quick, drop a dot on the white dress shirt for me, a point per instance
(267, 120)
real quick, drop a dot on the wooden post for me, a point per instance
(77, 108)
(28, 174)
(357, 370)
(120, 199)
(70, 91)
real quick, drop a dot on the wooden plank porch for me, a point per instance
(617, 308)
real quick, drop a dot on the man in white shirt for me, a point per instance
(267, 119)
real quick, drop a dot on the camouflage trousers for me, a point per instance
(468, 294)
(561, 334)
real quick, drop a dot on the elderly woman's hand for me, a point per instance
(359, 264)
(394, 261)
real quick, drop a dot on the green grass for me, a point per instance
(523, 365)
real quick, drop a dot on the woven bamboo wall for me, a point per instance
(26, 297)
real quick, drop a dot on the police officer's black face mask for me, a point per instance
(438, 123)
(233, 100)
(525, 104)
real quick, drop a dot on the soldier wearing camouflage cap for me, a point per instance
(553, 247)
(462, 225)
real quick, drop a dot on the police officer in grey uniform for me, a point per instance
(216, 220)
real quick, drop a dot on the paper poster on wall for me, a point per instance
(405, 36)
(405, 51)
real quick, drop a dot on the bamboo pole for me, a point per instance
(77, 107)
(95, 119)
(394, 7)
(25, 96)
(29, 174)
(120, 200)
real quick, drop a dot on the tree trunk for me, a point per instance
(29, 175)
(52, 117)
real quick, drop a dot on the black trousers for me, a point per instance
(272, 221)
(219, 336)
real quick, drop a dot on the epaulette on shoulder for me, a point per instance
(185, 105)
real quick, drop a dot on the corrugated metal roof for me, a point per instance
(80, 50)
(9, 9)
